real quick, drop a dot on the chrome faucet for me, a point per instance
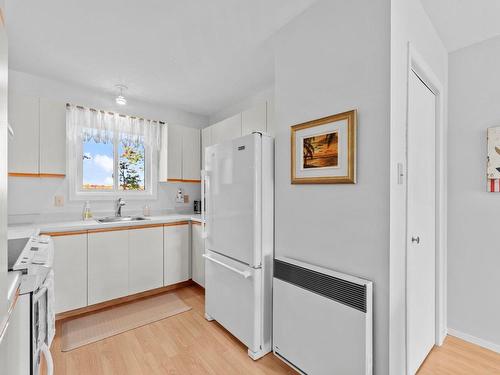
(118, 209)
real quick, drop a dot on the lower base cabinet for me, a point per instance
(70, 272)
(145, 259)
(99, 266)
(197, 250)
(108, 265)
(176, 253)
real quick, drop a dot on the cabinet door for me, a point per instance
(107, 265)
(206, 140)
(191, 154)
(24, 151)
(174, 152)
(254, 119)
(145, 259)
(163, 155)
(52, 137)
(197, 250)
(227, 129)
(177, 254)
(70, 272)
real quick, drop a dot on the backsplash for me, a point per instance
(32, 200)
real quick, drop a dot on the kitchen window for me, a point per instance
(111, 155)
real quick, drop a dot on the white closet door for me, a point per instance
(421, 253)
(24, 148)
(52, 137)
(206, 140)
(191, 148)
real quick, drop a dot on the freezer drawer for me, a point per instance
(233, 298)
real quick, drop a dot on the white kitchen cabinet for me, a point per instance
(24, 148)
(107, 265)
(197, 251)
(191, 148)
(174, 150)
(180, 153)
(227, 129)
(145, 259)
(52, 137)
(254, 119)
(206, 140)
(70, 272)
(176, 253)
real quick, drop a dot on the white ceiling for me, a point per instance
(461, 23)
(197, 55)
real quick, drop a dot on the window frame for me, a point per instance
(75, 172)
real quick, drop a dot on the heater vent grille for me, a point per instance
(343, 291)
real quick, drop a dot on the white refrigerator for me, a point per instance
(238, 227)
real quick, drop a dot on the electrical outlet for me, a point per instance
(58, 200)
(179, 198)
(186, 198)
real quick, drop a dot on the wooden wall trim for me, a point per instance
(118, 301)
(37, 175)
(176, 223)
(114, 229)
(68, 233)
(195, 222)
(182, 180)
(128, 227)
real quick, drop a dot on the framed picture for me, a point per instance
(324, 150)
(493, 169)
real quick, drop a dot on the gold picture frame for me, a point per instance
(323, 151)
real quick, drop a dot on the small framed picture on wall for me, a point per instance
(493, 168)
(324, 150)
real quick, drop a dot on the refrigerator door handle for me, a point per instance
(204, 233)
(245, 274)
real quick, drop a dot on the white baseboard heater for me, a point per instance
(322, 319)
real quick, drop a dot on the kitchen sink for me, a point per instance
(115, 219)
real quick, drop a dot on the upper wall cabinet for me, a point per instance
(227, 129)
(191, 148)
(254, 119)
(38, 147)
(24, 147)
(180, 154)
(52, 137)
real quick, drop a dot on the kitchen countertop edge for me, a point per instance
(16, 231)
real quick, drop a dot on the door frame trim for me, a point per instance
(418, 65)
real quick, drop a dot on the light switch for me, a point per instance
(58, 200)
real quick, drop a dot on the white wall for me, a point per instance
(333, 58)
(409, 23)
(28, 84)
(473, 224)
(32, 199)
(259, 97)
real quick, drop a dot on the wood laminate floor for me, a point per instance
(188, 344)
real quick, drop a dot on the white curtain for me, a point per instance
(101, 126)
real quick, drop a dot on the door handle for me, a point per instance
(415, 240)
(245, 274)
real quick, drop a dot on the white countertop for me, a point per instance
(26, 230)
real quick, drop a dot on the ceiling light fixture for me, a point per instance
(120, 99)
